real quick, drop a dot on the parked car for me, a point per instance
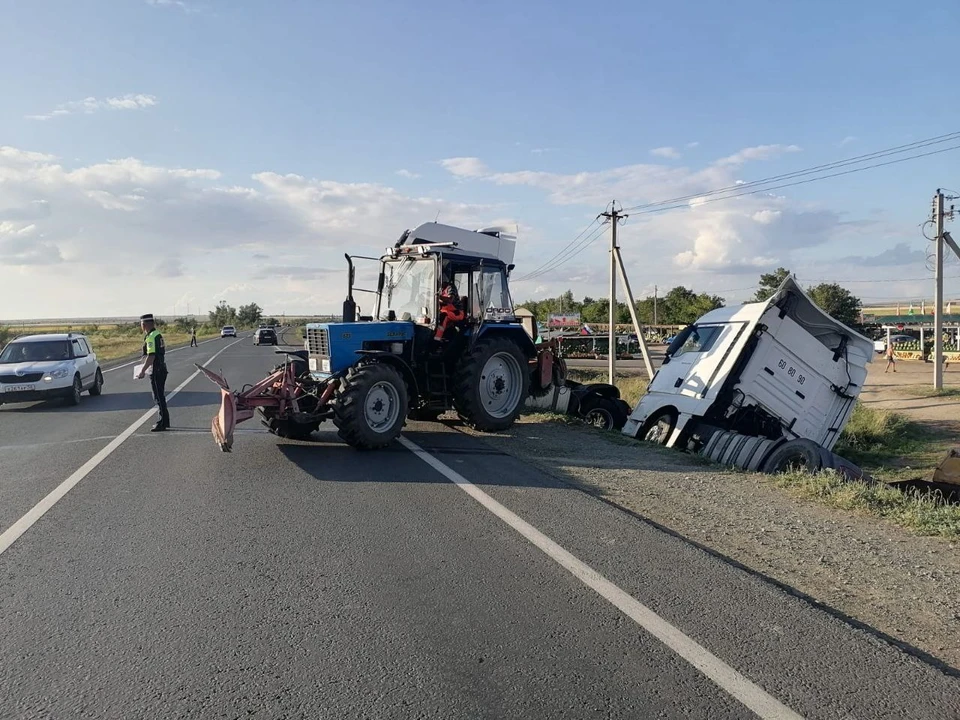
(39, 367)
(228, 331)
(265, 336)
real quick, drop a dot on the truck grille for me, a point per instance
(16, 379)
(318, 342)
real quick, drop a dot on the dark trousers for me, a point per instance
(158, 381)
(193, 341)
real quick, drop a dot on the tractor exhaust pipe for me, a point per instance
(349, 306)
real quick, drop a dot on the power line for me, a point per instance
(587, 242)
(798, 182)
(817, 168)
(562, 250)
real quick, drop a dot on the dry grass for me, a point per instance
(109, 342)
(923, 512)
(631, 387)
(924, 391)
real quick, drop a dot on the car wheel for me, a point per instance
(97, 384)
(74, 397)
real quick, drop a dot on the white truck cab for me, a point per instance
(779, 370)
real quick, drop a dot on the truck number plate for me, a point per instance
(791, 372)
(17, 388)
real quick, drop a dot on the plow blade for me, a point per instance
(225, 421)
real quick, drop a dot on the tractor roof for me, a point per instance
(488, 243)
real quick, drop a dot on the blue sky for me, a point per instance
(305, 111)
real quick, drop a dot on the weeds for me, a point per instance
(631, 387)
(924, 512)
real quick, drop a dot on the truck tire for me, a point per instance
(795, 454)
(604, 414)
(491, 384)
(659, 428)
(371, 406)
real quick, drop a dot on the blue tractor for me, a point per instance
(441, 335)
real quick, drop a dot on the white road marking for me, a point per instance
(725, 677)
(12, 534)
(134, 362)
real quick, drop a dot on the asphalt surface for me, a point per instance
(305, 579)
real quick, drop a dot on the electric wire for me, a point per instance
(585, 243)
(808, 171)
(561, 251)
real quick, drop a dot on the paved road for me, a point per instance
(434, 579)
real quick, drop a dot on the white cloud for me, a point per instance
(847, 140)
(465, 167)
(759, 152)
(541, 151)
(692, 145)
(407, 174)
(666, 152)
(91, 105)
(137, 228)
(180, 4)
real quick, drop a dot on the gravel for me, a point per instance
(876, 575)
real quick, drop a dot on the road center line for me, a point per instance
(725, 677)
(12, 534)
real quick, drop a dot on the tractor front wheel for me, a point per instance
(371, 406)
(492, 384)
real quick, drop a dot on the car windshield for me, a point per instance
(44, 351)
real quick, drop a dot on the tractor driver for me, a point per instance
(451, 309)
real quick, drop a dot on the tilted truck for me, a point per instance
(762, 386)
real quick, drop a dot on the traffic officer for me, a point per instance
(154, 351)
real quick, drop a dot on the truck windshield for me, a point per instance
(694, 339)
(410, 286)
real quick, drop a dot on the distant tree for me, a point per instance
(223, 314)
(271, 321)
(249, 315)
(769, 282)
(681, 306)
(838, 302)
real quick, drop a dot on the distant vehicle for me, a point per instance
(39, 367)
(265, 336)
(228, 331)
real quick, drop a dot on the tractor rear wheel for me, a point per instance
(371, 406)
(491, 384)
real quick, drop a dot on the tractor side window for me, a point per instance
(461, 281)
(411, 287)
(494, 293)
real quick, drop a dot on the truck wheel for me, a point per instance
(800, 454)
(603, 414)
(371, 406)
(659, 429)
(491, 384)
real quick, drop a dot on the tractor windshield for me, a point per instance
(494, 294)
(410, 289)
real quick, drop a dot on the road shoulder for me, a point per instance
(869, 572)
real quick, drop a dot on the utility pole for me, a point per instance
(614, 217)
(654, 305)
(938, 295)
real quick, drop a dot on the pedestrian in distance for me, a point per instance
(193, 336)
(891, 360)
(154, 360)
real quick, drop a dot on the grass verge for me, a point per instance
(631, 386)
(923, 512)
(922, 391)
(890, 446)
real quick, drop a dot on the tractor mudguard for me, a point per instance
(400, 364)
(611, 392)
